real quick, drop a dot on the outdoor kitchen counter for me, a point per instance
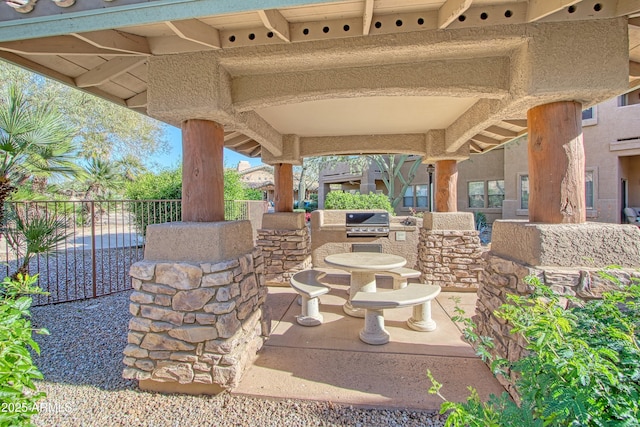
(363, 267)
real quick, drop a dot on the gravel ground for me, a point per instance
(82, 361)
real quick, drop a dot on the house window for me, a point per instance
(590, 116)
(416, 196)
(524, 191)
(631, 98)
(589, 190)
(476, 194)
(486, 194)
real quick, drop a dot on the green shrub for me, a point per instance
(18, 393)
(582, 366)
(342, 200)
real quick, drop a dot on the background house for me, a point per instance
(496, 182)
(261, 178)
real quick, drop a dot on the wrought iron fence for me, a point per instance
(95, 243)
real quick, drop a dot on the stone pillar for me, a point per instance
(449, 251)
(562, 256)
(556, 164)
(202, 171)
(283, 177)
(446, 186)
(197, 308)
(285, 242)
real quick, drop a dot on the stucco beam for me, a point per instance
(108, 70)
(289, 152)
(451, 10)
(476, 119)
(196, 31)
(362, 144)
(436, 150)
(255, 127)
(634, 69)
(275, 22)
(482, 77)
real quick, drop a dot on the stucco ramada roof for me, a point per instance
(293, 78)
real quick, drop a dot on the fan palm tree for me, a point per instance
(100, 177)
(35, 140)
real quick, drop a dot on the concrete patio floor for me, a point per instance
(330, 363)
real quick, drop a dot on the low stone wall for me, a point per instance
(450, 259)
(286, 246)
(502, 277)
(196, 324)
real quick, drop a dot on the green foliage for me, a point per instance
(582, 366)
(252, 194)
(480, 220)
(18, 393)
(30, 234)
(100, 177)
(342, 200)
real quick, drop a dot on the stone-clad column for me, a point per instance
(556, 164)
(446, 186)
(202, 171)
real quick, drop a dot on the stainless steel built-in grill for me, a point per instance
(367, 224)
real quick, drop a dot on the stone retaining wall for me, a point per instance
(197, 324)
(285, 253)
(450, 259)
(502, 276)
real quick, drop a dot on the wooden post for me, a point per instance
(556, 164)
(446, 186)
(202, 171)
(283, 177)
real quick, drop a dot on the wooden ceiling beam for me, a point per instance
(138, 101)
(538, 9)
(57, 45)
(116, 41)
(247, 146)
(517, 122)
(627, 7)
(474, 146)
(486, 140)
(634, 22)
(108, 71)
(256, 152)
(196, 31)
(634, 69)
(367, 17)
(451, 10)
(274, 21)
(502, 131)
(236, 140)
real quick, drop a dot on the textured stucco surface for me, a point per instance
(283, 221)
(198, 241)
(441, 221)
(567, 245)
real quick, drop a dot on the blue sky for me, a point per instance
(174, 157)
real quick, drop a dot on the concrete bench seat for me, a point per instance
(307, 284)
(401, 276)
(417, 295)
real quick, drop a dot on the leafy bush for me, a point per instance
(342, 200)
(18, 394)
(480, 220)
(582, 366)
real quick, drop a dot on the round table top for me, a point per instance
(365, 261)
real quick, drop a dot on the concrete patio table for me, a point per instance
(363, 267)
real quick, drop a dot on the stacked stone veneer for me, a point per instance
(450, 258)
(502, 277)
(196, 323)
(286, 246)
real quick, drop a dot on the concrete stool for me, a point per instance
(401, 276)
(307, 284)
(417, 295)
